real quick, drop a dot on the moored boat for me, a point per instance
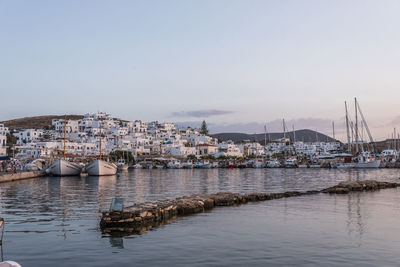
(63, 167)
(99, 167)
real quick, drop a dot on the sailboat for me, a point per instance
(364, 159)
(99, 167)
(63, 167)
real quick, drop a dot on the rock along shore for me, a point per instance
(144, 216)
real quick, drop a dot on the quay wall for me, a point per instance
(144, 216)
(7, 177)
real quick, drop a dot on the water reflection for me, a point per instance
(55, 212)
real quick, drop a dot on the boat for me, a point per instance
(174, 164)
(291, 163)
(366, 160)
(273, 163)
(303, 166)
(159, 166)
(100, 167)
(258, 163)
(345, 165)
(122, 165)
(35, 165)
(63, 167)
(187, 165)
(315, 165)
(137, 166)
(202, 165)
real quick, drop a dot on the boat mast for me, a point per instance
(265, 134)
(347, 128)
(294, 134)
(333, 129)
(65, 125)
(100, 140)
(356, 126)
(284, 129)
(367, 129)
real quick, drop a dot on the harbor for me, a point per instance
(62, 216)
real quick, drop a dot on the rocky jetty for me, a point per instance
(144, 216)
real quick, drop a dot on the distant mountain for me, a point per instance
(37, 122)
(301, 135)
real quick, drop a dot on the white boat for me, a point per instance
(273, 163)
(122, 165)
(138, 166)
(368, 164)
(9, 264)
(345, 165)
(159, 166)
(366, 160)
(35, 165)
(100, 167)
(291, 163)
(315, 165)
(175, 164)
(303, 166)
(63, 167)
(187, 165)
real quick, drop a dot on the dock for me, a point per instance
(141, 217)
(8, 177)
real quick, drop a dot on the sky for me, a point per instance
(236, 64)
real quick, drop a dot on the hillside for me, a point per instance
(301, 135)
(37, 122)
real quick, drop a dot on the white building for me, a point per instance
(3, 140)
(28, 135)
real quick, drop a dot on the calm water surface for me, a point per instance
(54, 221)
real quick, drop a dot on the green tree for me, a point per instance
(11, 141)
(203, 128)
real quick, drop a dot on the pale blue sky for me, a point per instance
(162, 60)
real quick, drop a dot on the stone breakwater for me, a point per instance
(144, 216)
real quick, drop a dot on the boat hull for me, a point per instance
(64, 168)
(369, 164)
(100, 168)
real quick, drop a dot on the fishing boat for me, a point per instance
(99, 167)
(62, 167)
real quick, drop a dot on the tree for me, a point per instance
(203, 128)
(11, 141)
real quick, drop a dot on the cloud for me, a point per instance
(204, 113)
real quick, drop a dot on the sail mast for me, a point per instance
(347, 128)
(356, 126)
(100, 140)
(65, 125)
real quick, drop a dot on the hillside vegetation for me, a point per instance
(37, 122)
